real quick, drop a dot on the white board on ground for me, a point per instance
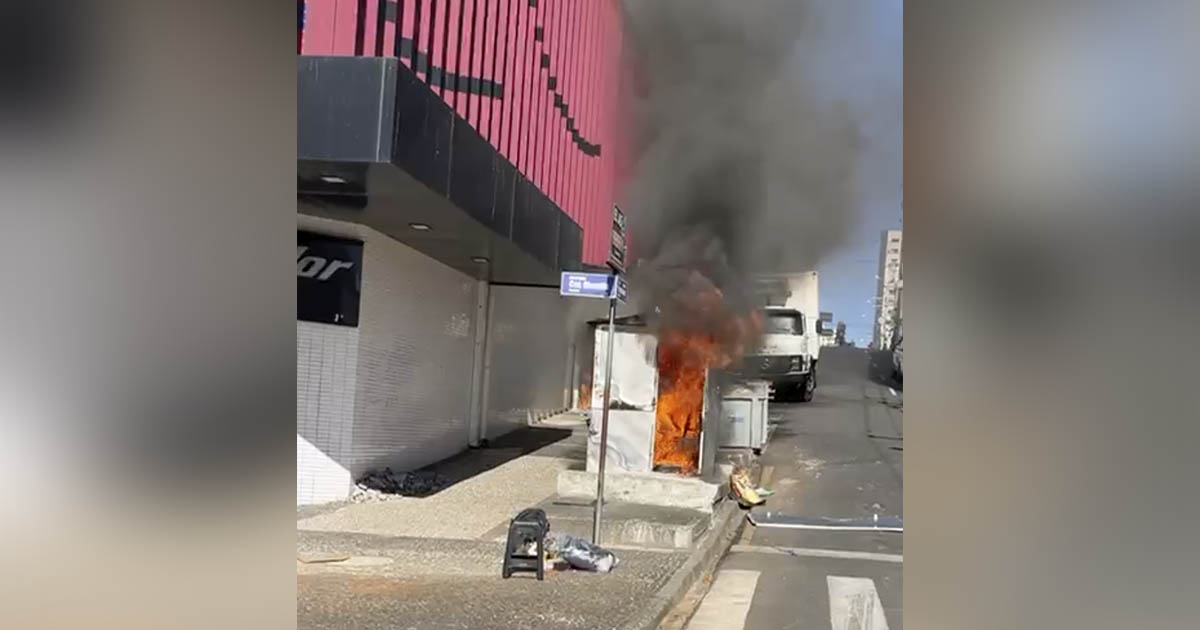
(854, 604)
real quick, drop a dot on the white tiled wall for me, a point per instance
(326, 363)
(414, 358)
(396, 390)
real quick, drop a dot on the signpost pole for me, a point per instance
(608, 362)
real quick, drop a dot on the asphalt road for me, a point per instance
(839, 455)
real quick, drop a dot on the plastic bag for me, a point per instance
(581, 554)
(743, 490)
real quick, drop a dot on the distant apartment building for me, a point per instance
(899, 316)
(887, 295)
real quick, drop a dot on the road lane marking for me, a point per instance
(893, 390)
(764, 479)
(873, 523)
(727, 603)
(809, 552)
(854, 604)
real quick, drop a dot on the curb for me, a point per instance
(727, 520)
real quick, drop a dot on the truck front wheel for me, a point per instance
(808, 387)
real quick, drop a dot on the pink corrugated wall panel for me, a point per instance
(421, 21)
(407, 14)
(520, 64)
(449, 49)
(607, 157)
(593, 233)
(478, 68)
(542, 104)
(440, 47)
(533, 110)
(546, 110)
(585, 121)
(326, 25)
(573, 153)
(561, 138)
(492, 108)
(488, 27)
(559, 129)
(512, 89)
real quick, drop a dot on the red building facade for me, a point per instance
(540, 80)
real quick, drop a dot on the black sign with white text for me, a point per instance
(617, 247)
(328, 278)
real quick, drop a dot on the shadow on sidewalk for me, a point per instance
(543, 441)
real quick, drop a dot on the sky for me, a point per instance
(864, 68)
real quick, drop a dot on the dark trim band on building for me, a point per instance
(524, 285)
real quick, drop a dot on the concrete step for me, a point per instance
(573, 420)
(627, 524)
(631, 524)
(650, 489)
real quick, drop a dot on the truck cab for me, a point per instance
(792, 327)
(787, 357)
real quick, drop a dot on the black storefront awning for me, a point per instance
(376, 146)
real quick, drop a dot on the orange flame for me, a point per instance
(684, 358)
(682, 365)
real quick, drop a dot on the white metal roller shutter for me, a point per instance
(529, 341)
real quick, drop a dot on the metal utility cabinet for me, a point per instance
(634, 404)
(744, 415)
(633, 401)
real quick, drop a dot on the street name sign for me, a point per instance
(580, 284)
(621, 290)
(594, 285)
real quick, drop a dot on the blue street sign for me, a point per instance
(578, 284)
(597, 285)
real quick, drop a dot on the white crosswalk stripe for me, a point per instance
(854, 604)
(727, 603)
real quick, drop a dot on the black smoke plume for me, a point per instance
(743, 166)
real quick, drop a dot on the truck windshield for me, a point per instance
(783, 324)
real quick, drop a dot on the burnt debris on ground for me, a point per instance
(384, 485)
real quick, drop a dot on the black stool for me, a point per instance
(531, 525)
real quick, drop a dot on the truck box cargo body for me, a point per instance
(791, 345)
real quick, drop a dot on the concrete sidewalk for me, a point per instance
(434, 562)
(431, 583)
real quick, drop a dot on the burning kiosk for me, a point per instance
(664, 403)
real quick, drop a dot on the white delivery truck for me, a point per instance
(791, 346)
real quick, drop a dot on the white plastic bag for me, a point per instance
(582, 554)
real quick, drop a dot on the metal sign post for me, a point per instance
(614, 287)
(608, 362)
